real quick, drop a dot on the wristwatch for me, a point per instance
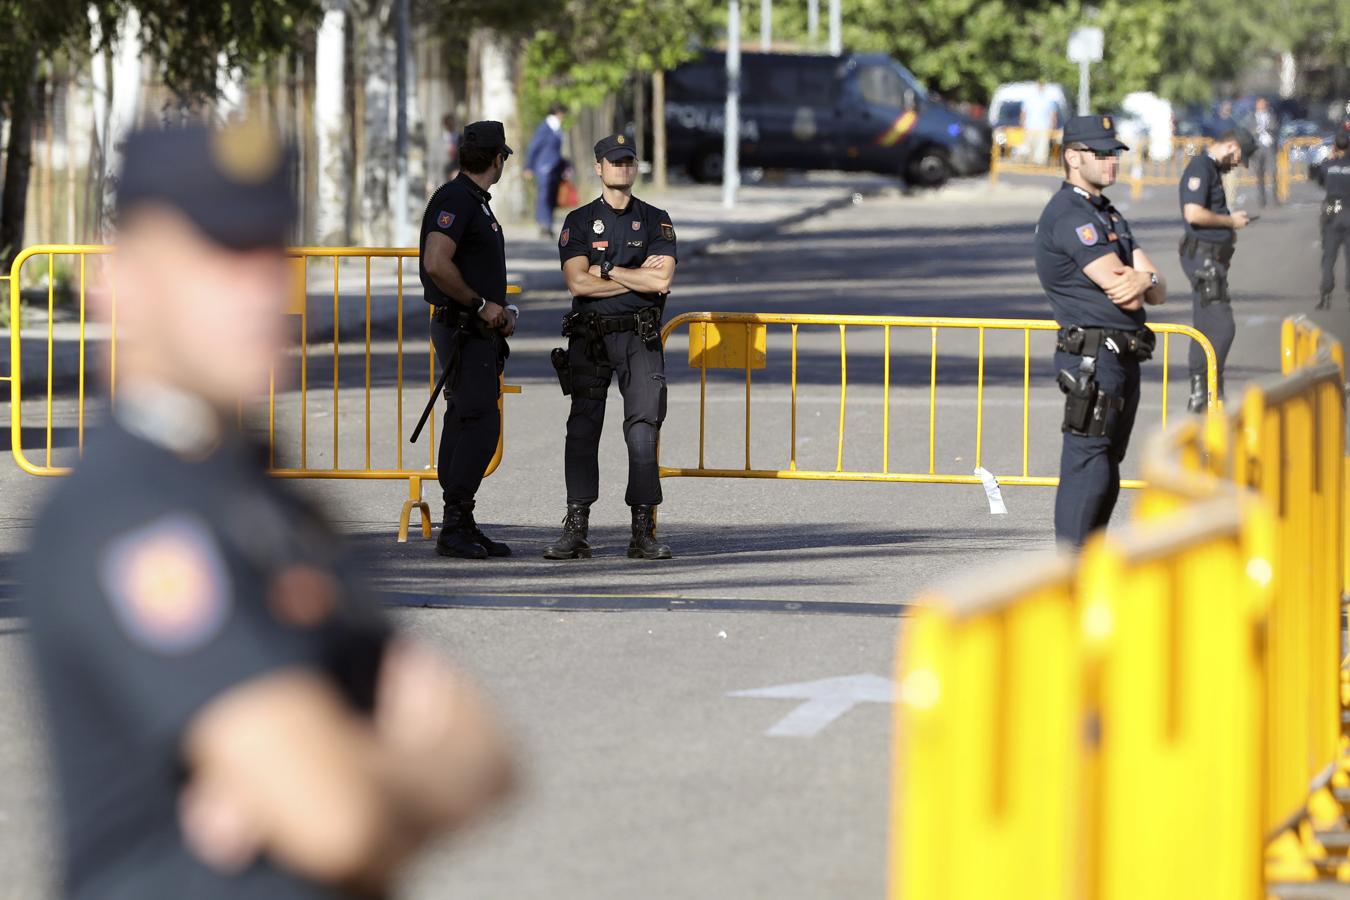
(481, 304)
(1152, 279)
(605, 268)
(513, 309)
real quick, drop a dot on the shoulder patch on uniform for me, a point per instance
(1087, 234)
(445, 219)
(1194, 183)
(562, 239)
(667, 231)
(168, 584)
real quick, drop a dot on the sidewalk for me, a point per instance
(696, 211)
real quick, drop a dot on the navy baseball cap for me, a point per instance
(1093, 132)
(615, 147)
(234, 183)
(489, 135)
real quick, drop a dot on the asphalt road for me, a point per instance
(644, 776)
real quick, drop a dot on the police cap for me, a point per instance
(487, 135)
(615, 147)
(1093, 132)
(233, 183)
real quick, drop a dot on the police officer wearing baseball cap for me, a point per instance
(213, 671)
(463, 269)
(1097, 280)
(1335, 217)
(618, 257)
(1207, 249)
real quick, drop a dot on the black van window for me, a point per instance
(699, 81)
(883, 86)
(817, 86)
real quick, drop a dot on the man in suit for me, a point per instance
(544, 165)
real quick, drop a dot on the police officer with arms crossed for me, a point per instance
(463, 270)
(618, 257)
(1097, 280)
(1335, 217)
(1207, 249)
(231, 716)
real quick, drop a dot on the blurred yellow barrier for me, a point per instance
(370, 394)
(1201, 669)
(739, 341)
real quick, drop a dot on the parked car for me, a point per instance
(859, 112)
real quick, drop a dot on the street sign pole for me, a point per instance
(836, 24)
(1085, 48)
(731, 165)
(1084, 88)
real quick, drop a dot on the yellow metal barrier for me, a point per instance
(738, 341)
(371, 408)
(1200, 671)
(1137, 166)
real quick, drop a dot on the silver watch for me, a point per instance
(513, 309)
(482, 303)
(1152, 279)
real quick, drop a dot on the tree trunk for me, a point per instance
(659, 130)
(19, 160)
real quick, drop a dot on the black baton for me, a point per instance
(431, 403)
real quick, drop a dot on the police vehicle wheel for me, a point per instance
(929, 168)
(707, 167)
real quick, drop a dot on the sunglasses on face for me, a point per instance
(1100, 154)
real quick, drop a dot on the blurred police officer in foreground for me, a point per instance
(230, 715)
(1207, 250)
(1335, 217)
(618, 257)
(463, 270)
(1098, 281)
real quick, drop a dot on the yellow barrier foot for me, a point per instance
(414, 501)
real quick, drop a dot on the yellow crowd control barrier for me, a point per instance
(320, 378)
(1138, 166)
(725, 340)
(1158, 717)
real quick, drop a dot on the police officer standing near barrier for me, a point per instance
(1335, 218)
(1207, 250)
(1097, 280)
(463, 270)
(618, 257)
(231, 716)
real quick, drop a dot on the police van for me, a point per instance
(857, 112)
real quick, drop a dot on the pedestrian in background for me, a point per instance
(544, 166)
(1040, 117)
(450, 138)
(1265, 127)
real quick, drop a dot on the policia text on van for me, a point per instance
(862, 112)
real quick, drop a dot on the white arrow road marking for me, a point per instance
(826, 700)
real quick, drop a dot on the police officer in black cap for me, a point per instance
(1207, 250)
(463, 270)
(1335, 217)
(618, 256)
(1097, 280)
(230, 714)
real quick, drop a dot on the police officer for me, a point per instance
(463, 270)
(1207, 249)
(1335, 217)
(618, 257)
(230, 714)
(1097, 280)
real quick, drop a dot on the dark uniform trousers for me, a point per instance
(1089, 467)
(1335, 237)
(472, 417)
(1213, 319)
(642, 382)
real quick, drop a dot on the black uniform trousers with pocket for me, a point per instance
(1089, 467)
(472, 417)
(1214, 320)
(1335, 237)
(641, 371)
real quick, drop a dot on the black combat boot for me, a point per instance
(572, 544)
(1325, 302)
(644, 544)
(457, 538)
(493, 548)
(1199, 401)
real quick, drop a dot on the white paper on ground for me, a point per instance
(992, 491)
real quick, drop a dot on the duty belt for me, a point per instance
(1193, 247)
(592, 326)
(458, 316)
(1335, 207)
(1083, 341)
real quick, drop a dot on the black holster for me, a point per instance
(1210, 284)
(564, 369)
(1089, 411)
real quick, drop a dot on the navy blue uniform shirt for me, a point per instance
(1075, 229)
(459, 210)
(625, 237)
(1336, 178)
(1202, 184)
